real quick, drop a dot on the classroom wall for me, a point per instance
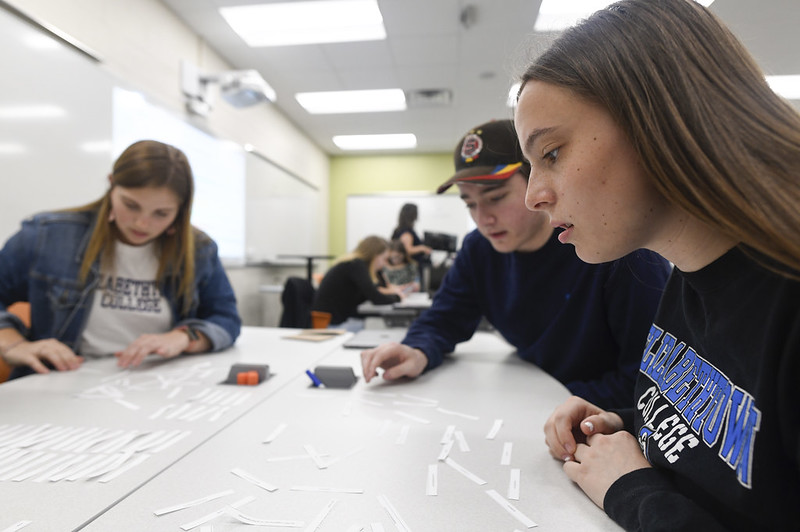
(142, 43)
(376, 174)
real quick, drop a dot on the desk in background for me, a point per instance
(375, 442)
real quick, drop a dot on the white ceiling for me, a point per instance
(429, 48)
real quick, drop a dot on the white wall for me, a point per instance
(142, 43)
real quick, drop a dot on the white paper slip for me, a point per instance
(446, 450)
(321, 464)
(403, 436)
(519, 516)
(241, 473)
(412, 418)
(327, 489)
(473, 477)
(448, 434)
(462, 442)
(432, 485)
(189, 504)
(19, 525)
(513, 485)
(250, 520)
(275, 433)
(314, 525)
(454, 413)
(217, 513)
(398, 521)
(505, 458)
(130, 464)
(495, 429)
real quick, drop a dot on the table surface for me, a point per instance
(353, 451)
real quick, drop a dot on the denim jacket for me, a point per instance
(40, 264)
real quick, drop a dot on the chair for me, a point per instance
(23, 311)
(297, 297)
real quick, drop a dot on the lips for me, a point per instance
(563, 237)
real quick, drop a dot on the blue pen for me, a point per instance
(313, 378)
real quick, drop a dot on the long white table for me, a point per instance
(365, 454)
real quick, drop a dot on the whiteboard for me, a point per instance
(376, 214)
(55, 124)
(282, 213)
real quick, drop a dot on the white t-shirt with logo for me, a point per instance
(127, 302)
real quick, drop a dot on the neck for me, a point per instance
(691, 244)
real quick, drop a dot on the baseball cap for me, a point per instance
(486, 155)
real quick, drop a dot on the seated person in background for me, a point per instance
(584, 324)
(126, 275)
(352, 280)
(400, 271)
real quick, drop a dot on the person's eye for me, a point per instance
(130, 206)
(470, 206)
(498, 198)
(551, 156)
(161, 214)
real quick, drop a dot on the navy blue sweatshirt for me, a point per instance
(584, 324)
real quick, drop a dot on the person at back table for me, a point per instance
(584, 324)
(405, 233)
(352, 280)
(126, 275)
(400, 270)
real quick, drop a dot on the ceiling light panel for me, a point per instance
(557, 15)
(785, 86)
(294, 23)
(363, 101)
(395, 141)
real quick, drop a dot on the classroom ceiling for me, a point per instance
(428, 47)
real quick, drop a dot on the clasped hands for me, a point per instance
(593, 445)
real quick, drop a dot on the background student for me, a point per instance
(405, 233)
(352, 280)
(400, 270)
(584, 324)
(650, 126)
(126, 275)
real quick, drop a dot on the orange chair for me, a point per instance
(23, 311)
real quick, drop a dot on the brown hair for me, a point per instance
(149, 163)
(367, 249)
(710, 133)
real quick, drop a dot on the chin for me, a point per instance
(595, 256)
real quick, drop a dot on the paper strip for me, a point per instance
(505, 459)
(448, 434)
(19, 525)
(522, 518)
(403, 436)
(453, 413)
(495, 429)
(327, 489)
(250, 520)
(213, 515)
(432, 486)
(446, 450)
(412, 418)
(321, 517)
(321, 464)
(275, 433)
(189, 504)
(125, 467)
(476, 479)
(170, 442)
(513, 485)
(396, 519)
(462, 442)
(418, 398)
(241, 473)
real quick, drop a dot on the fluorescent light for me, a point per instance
(31, 111)
(557, 15)
(292, 23)
(786, 86)
(362, 101)
(398, 141)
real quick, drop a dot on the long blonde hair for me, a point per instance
(367, 250)
(710, 133)
(149, 163)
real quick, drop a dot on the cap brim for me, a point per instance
(481, 175)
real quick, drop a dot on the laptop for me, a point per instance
(369, 338)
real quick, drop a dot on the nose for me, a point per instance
(539, 195)
(484, 216)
